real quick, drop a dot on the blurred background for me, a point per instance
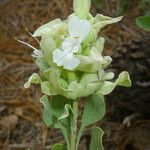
(127, 120)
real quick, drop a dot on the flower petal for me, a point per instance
(57, 57)
(78, 28)
(73, 26)
(84, 29)
(70, 45)
(67, 44)
(70, 62)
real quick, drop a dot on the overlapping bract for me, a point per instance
(79, 72)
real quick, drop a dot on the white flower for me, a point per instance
(78, 30)
(67, 60)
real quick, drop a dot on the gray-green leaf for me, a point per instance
(47, 45)
(46, 88)
(94, 111)
(57, 104)
(67, 108)
(46, 27)
(42, 64)
(123, 80)
(100, 44)
(102, 21)
(34, 78)
(96, 140)
(47, 113)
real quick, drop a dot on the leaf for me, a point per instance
(47, 113)
(85, 63)
(53, 75)
(54, 79)
(89, 85)
(48, 45)
(58, 147)
(107, 60)
(101, 21)
(100, 44)
(66, 112)
(75, 90)
(109, 76)
(144, 22)
(63, 83)
(94, 111)
(57, 104)
(34, 78)
(123, 80)
(96, 140)
(46, 88)
(53, 85)
(91, 63)
(46, 73)
(82, 8)
(91, 38)
(42, 64)
(105, 76)
(46, 27)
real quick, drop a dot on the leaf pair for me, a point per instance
(93, 112)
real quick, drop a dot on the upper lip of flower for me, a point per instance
(78, 30)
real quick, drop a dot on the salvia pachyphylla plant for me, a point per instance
(71, 67)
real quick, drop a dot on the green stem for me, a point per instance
(79, 136)
(74, 126)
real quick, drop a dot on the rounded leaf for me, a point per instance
(96, 139)
(34, 78)
(144, 22)
(47, 113)
(94, 110)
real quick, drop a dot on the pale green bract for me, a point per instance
(88, 84)
(81, 8)
(72, 66)
(88, 74)
(85, 53)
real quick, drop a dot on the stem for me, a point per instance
(74, 126)
(79, 136)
